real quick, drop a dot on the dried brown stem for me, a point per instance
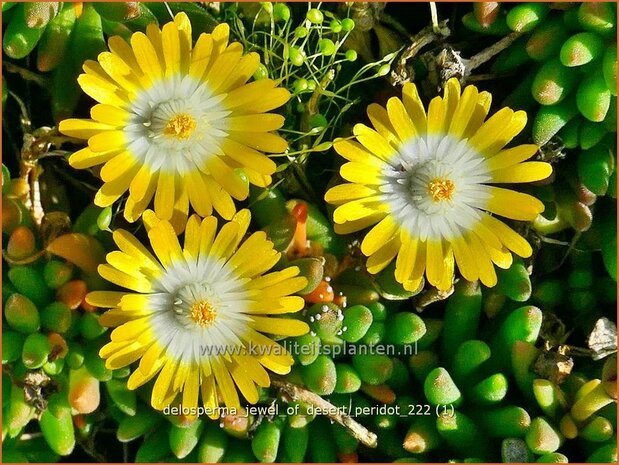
(489, 52)
(298, 393)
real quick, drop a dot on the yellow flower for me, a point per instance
(424, 181)
(178, 122)
(195, 316)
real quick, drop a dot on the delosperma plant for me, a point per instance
(309, 232)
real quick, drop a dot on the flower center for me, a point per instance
(180, 126)
(203, 313)
(441, 189)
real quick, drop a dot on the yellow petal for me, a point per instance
(279, 326)
(129, 244)
(487, 274)
(374, 142)
(512, 240)
(164, 196)
(248, 157)
(464, 111)
(107, 141)
(228, 179)
(104, 299)
(512, 204)
(163, 384)
(523, 172)
(208, 392)
(496, 129)
(265, 142)
(226, 385)
(407, 257)
(226, 241)
(198, 195)
(464, 259)
(183, 24)
(124, 280)
(379, 235)
(242, 218)
(272, 99)
(107, 114)
(181, 207)
(435, 254)
(484, 100)
(102, 91)
(165, 244)
(284, 288)
(82, 128)
(253, 369)
(130, 330)
(355, 152)
(142, 184)
(247, 94)
(255, 123)
(223, 66)
(119, 71)
(171, 49)
(208, 230)
(270, 279)
(247, 66)
(414, 107)
(222, 202)
(361, 173)
(191, 245)
(117, 166)
(244, 383)
(118, 46)
(380, 259)
(358, 225)
(451, 100)
(85, 158)
(146, 56)
(380, 120)
(111, 191)
(191, 389)
(512, 156)
(400, 120)
(500, 257)
(436, 116)
(448, 270)
(358, 209)
(271, 354)
(201, 56)
(346, 192)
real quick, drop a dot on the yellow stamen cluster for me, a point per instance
(203, 313)
(180, 126)
(441, 189)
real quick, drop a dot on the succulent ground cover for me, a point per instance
(309, 232)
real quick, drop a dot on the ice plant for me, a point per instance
(178, 122)
(425, 182)
(195, 316)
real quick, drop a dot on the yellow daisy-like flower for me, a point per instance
(178, 122)
(195, 316)
(426, 180)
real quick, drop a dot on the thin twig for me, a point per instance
(434, 16)
(357, 430)
(487, 53)
(29, 436)
(430, 296)
(427, 35)
(27, 74)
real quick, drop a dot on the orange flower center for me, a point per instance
(441, 189)
(180, 126)
(203, 313)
